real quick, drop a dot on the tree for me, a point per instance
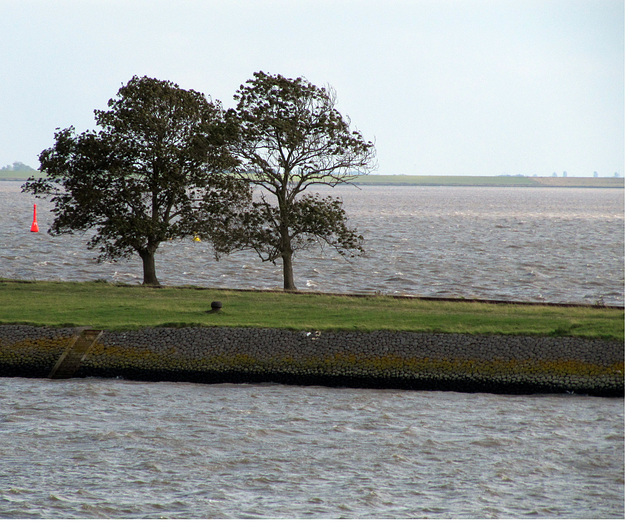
(286, 136)
(142, 178)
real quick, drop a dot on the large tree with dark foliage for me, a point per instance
(143, 177)
(287, 136)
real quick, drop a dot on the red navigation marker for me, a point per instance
(34, 225)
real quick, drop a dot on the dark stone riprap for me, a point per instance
(381, 359)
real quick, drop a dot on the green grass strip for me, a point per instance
(120, 307)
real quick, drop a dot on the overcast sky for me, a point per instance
(444, 87)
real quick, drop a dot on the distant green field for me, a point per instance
(17, 175)
(530, 182)
(427, 180)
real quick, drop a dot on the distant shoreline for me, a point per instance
(485, 181)
(440, 180)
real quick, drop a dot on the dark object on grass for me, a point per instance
(215, 307)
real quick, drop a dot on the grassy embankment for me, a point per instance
(118, 307)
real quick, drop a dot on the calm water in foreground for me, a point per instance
(109, 448)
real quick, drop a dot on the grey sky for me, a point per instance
(454, 87)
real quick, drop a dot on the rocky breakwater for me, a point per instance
(27, 351)
(422, 361)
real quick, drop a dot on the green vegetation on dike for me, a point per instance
(118, 307)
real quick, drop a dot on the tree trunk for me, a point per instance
(287, 270)
(285, 246)
(149, 267)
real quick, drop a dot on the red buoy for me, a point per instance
(34, 225)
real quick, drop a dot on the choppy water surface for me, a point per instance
(108, 448)
(531, 244)
(97, 448)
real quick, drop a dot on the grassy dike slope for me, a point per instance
(167, 334)
(120, 307)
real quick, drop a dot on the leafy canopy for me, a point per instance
(290, 128)
(140, 179)
(286, 136)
